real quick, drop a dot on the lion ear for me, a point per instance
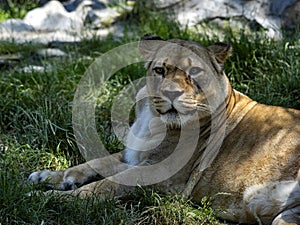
(220, 51)
(149, 45)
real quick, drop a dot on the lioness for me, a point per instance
(199, 137)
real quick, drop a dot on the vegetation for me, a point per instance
(16, 8)
(36, 121)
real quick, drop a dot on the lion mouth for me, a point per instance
(171, 111)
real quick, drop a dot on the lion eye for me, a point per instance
(159, 70)
(195, 70)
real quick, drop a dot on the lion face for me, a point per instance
(174, 88)
(183, 80)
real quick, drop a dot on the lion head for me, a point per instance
(185, 80)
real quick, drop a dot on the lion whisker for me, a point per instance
(205, 107)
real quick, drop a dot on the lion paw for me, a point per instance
(52, 180)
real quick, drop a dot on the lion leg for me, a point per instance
(77, 176)
(275, 199)
(104, 189)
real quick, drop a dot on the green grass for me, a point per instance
(17, 9)
(36, 121)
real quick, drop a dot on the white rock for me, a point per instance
(53, 23)
(34, 69)
(51, 52)
(15, 25)
(267, 13)
(52, 17)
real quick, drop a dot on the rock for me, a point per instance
(267, 13)
(51, 52)
(73, 15)
(74, 20)
(72, 5)
(64, 21)
(34, 69)
(53, 17)
(162, 4)
(15, 25)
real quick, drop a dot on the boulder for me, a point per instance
(53, 17)
(64, 21)
(15, 25)
(50, 52)
(74, 20)
(71, 15)
(273, 15)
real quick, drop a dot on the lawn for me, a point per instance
(36, 120)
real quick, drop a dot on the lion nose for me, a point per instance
(172, 94)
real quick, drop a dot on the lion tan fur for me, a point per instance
(247, 155)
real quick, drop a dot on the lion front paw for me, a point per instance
(52, 180)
